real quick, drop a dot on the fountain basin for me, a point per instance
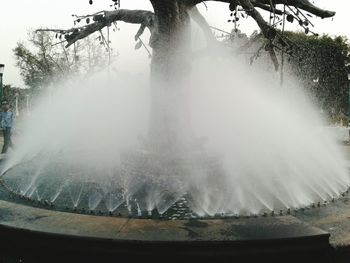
(34, 234)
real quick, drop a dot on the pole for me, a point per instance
(17, 111)
(1, 87)
(2, 66)
(282, 52)
(109, 54)
(349, 99)
(236, 10)
(27, 104)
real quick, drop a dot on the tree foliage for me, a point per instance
(44, 62)
(10, 94)
(320, 63)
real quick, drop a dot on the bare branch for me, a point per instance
(86, 16)
(305, 5)
(268, 8)
(140, 31)
(203, 24)
(268, 32)
(273, 56)
(145, 18)
(309, 7)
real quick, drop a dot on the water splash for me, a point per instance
(257, 147)
(95, 198)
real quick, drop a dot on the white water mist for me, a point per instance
(267, 144)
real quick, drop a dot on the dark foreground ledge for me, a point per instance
(38, 235)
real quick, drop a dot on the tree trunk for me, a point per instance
(169, 121)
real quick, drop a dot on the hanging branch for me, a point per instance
(65, 55)
(305, 17)
(145, 47)
(305, 5)
(301, 22)
(55, 44)
(256, 55)
(105, 43)
(282, 53)
(220, 30)
(80, 17)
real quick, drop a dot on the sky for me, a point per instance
(17, 18)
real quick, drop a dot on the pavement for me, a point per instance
(33, 233)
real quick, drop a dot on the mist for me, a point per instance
(257, 146)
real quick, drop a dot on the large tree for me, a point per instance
(169, 27)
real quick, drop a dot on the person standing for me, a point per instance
(6, 120)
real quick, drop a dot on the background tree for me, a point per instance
(10, 93)
(45, 61)
(320, 63)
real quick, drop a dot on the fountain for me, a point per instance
(203, 150)
(268, 155)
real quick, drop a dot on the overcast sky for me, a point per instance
(18, 17)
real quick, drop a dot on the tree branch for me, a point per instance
(203, 24)
(144, 18)
(268, 8)
(309, 7)
(302, 4)
(268, 31)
